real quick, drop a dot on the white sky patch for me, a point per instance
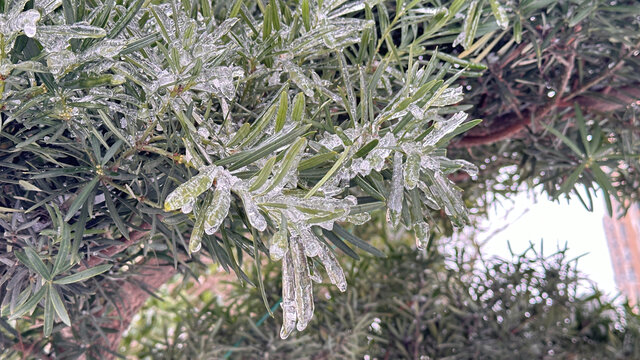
(556, 224)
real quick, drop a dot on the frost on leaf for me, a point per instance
(421, 230)
(219, 208)
(303, 286)
(187, 192)
(394, 203)
(289, 312)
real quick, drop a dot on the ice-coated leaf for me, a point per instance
(253, 213)
(219, 208)
(470, 25)
(442, 188)
(311, 245)
(466, 166)
(77, 30)
(288, 167)
(334, 270)
(448, 97)
(279, 242)
(421, 230)
(26, 22)
(195, 241)
(315, 274)
(500, 14)
(378, 155)
(394, 203)
(303, 286)
(412, 170)
(188, 191)
(288, 296)
(444, 127)
(222, 81)
(300, 79)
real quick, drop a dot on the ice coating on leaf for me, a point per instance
(500, 14)
(287, 172)
(467, 167)
(315, 275)
(253, 213)
(77, 30)
(378, 155)
(449, 96)
(442, 188)
(279, 243)
(188, 191)
(442, 128)
(331, 141)
(334, 270)
(416, 111)
(300, 79)
(107, 48)
(394, 203)
(421, 230)
(58, 62)
(309, 241)
(412, 170)
(222, 81)
(359, 219)
(219, 208)
(288, 296)
(188, 207)
(427, 197)
(27, 22)
(303, 288)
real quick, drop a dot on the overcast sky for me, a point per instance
(556, 223)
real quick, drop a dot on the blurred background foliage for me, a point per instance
(410, 305)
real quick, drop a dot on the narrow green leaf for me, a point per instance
(281, 118)
(36, 264)
(564, 139)
(263, 175)
(340, 244)
(81, 198)
(329, 173)
(356, 241)
(298, 107)
(247, 157)
(63, 253)
(287, 163)
(256, 257)
(240, 135)
(363, 151)
(113, 213)
(570, 182)
(258, 126)
(125, 19)
(306, 15)
(111, 152)
(29, 304)
(83, 275)
(58, 305)
(49, 313)
(517, 30)
(317, 160)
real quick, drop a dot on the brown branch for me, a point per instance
(507, 126)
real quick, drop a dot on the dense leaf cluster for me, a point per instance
(279, 127)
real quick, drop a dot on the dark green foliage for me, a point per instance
(407, 306)
(274, 108)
